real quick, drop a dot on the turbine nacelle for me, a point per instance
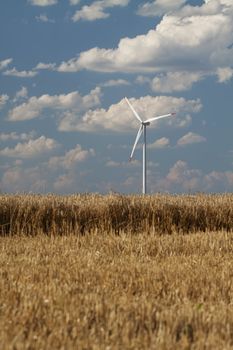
(146, 123)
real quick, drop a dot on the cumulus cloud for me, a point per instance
(190, 138)
(163, 142)
(3, 100)
(90, 13)
(20, 74)
(31, 149)
(71, 158)
(171, 81)
(73, 100)
(224, 74)
(17, 179)
(65, 182)
(119, 118)
(196, 38)
(21, 94)
(141, 79)
(180, 171)
(181, 178)
(159, 7)
(175, 81)
(97, 10)
(44, 18)
(43, 2)
(224, 180)
(41, 66)
(15, 136)
(5, 63)
(59, 173)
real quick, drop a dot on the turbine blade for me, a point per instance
(136, 141)
(133, 110)
(160, 117)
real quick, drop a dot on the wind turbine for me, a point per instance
(142, 129)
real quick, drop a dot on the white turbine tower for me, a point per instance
(142, 129)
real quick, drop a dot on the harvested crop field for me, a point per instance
(115, 272)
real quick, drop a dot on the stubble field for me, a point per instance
(116, 272)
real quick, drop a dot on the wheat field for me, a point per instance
(86, 213)
(116, 272)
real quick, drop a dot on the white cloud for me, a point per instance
(97, 10)
(49, 66)
(224, 74)
(171, 81)
(160, 143)
(190, 138)
(43, 2)
(159, 7)
(17, 179)
(5, 63)
(44, 18)
(119, 118)
(90, 13)
(177, 172)
(58, 173)
(194, 38)
(21, 94)
(3, 100)
(15, 136)
(181, 177)
(65, 182)
(20, 74)
(223, 179)
(115, 82)
(30, 149)
(141, 79)
(175, 81)
(71, 158)
(73, 100)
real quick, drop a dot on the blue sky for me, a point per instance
(65, 67)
